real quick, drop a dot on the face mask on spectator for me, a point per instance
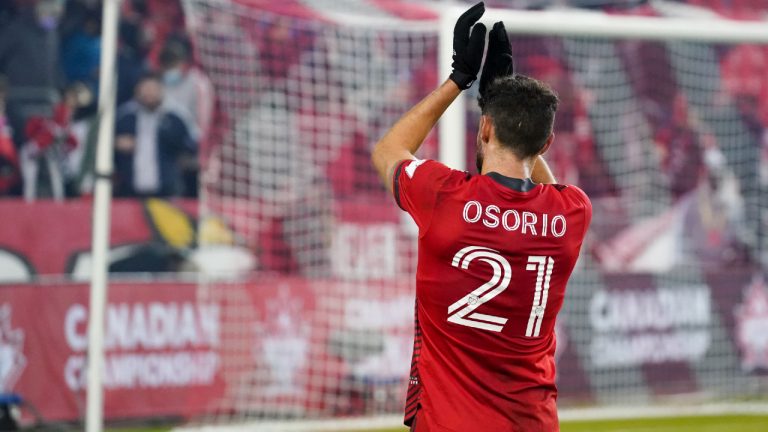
(48, 22)
(173, 76)
(48, 13)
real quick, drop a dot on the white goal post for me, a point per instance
(94, 421)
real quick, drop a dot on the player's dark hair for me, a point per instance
(522, 110)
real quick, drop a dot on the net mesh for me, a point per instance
(323, 326)
(667, 138)
(303, 100)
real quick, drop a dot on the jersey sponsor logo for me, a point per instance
(411, 168)
(526, 222)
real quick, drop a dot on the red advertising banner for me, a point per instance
(163, 349)
(54, 238)
(181, 349)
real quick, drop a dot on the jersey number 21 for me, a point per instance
(462, 312)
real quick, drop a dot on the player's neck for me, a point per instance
(506, 164)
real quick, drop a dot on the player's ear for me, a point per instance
(486, 128)
(548, 143)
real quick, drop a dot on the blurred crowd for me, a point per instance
(49, 67)
(49, 88)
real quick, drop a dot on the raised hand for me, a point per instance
(468, 48)
(498, 61)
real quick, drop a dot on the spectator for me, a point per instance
(190, 90)
(50, 141)
(157, 20)
(714, 231)
(187, 86)
(29, 58)
(131, 53)
(679, 146)
(81, 50)
(150, 139)
(84, 127)
(743, 71)
(9, 162)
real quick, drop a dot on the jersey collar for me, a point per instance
(520, 185)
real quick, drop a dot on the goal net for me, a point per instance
(323, 326)
(667, 136)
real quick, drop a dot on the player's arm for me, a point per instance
(407, 135)
(404, 138)
(541, 172)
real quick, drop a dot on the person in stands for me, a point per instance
(150, 138)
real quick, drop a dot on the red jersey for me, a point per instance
(495, 255)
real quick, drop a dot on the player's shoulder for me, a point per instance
(427, 169)
(571, 193)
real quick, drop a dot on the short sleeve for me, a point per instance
(586, 202)
(417, 184)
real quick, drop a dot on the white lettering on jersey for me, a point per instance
(505, 220)
(561, 219)
(527, 222)
(411, 168)
(478, 211)
(491, 220)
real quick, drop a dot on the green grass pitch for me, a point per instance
(729, 423)
(676, 424)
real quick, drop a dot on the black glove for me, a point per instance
(498, 61)
(468, 49)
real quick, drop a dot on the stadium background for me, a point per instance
(273, 280)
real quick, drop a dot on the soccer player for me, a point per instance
(495, 249)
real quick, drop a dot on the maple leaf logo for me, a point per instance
(752, 325)
(284, 344)
(12, 360)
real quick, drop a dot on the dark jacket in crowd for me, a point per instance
(173, 139)
(29, 59)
